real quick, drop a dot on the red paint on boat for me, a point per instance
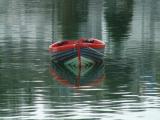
(78, 53)
(71, 44)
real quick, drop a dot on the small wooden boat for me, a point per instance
(78, 52)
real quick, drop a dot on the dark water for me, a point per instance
(125, 87)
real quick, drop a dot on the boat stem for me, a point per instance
(79, 54)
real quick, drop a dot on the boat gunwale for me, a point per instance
(74, 44)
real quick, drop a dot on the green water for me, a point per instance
(125, 87)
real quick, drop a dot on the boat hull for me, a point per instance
(95, 55)
(91, 50)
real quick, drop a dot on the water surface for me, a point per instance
(125, 87)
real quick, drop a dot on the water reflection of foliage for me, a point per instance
(119, 75)
(71, 15)
(118, 16)
(119, 70)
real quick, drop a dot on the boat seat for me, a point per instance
(89, 41)
(62, 43)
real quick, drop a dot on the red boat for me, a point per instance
(79, 52)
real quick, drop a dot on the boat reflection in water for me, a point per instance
(74, 76)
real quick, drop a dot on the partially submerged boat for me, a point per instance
(78, 52)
